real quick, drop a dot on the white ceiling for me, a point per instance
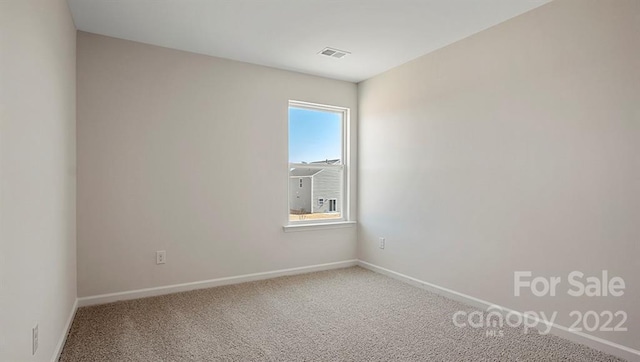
(288, 34)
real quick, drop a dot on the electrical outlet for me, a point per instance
(161, 257)
(34, 340)
(381, 243)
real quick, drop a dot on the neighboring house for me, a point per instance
(315, 190)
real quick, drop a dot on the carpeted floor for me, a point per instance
(341, 315)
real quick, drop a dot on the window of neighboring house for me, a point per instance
(317, 150)
(332, 205)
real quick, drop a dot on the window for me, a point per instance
(332, 205)
(317, 163)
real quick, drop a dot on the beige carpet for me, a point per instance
(341, 315)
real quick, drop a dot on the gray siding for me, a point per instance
(327, 185)
(300, 197)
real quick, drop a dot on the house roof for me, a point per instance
(329, 162)
(302, 171)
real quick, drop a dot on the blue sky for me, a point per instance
(314, 135)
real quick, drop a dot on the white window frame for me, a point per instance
(343, 165)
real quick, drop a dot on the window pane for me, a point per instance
(314, 136)
(315, 193)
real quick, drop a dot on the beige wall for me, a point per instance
(37, 175)
(514, 149)
(188, 153)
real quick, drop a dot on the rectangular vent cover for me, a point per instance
(334, 53)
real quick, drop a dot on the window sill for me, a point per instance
(319, 226)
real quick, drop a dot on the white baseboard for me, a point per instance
(176, 288)
(600, 344)
(63, 338)
(561, 331)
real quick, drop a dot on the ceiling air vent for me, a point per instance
(334, 53)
